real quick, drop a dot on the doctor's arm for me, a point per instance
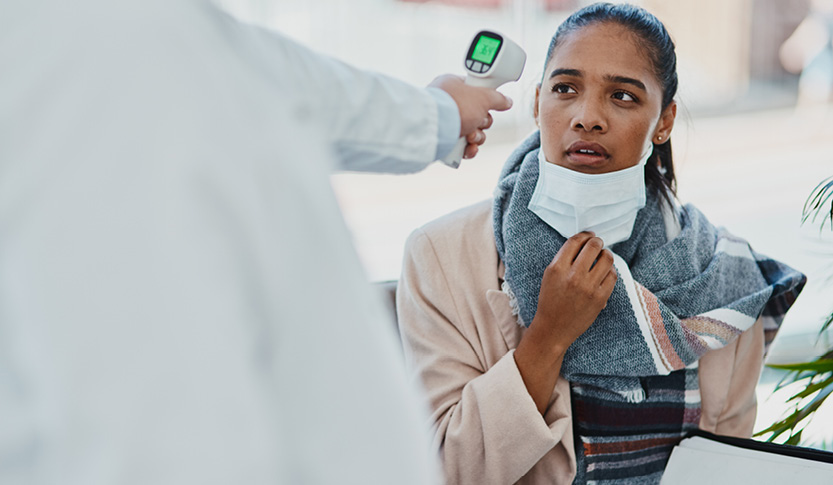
(378, 123)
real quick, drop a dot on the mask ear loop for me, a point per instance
(646, 154)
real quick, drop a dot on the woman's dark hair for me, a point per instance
(651, 33)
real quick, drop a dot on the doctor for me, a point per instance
(179, 300)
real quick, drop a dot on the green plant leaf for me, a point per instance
(813, 379)
(815, 194)
(826, 325)
(816, 366)
(813, 406)
(810, 389)
(802, 411)
(790, 378)
(814, 205)
(778, 428)
(795, 439)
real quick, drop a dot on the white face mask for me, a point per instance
(572, 202)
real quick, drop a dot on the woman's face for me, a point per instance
(600, 102)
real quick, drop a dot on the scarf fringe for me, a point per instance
(633, 396)
(513, 302)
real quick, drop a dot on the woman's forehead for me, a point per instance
(606, 50)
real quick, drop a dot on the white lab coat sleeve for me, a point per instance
(448, 123)
(373, 122)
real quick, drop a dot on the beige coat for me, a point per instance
(459, 336)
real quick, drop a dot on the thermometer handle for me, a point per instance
(454, 157)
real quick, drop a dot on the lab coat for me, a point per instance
(179, 299)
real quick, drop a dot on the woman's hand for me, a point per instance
(575, 288)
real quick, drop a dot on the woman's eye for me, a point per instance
(563, 89)
(624, 96)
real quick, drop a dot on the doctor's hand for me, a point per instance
(474, 104)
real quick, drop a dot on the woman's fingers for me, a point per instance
(603, 265)
(589, 255)
(609, 281)
(571, 249)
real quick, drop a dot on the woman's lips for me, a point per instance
(587, 153)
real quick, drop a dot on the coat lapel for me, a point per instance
(506, 321)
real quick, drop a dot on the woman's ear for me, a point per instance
(535, 106)
(666, 123)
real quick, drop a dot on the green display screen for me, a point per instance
(485, 49)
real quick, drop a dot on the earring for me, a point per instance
(659, 138)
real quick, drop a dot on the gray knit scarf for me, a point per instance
(682, 298)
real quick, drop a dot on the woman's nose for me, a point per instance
(590, 117)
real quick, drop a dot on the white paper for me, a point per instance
(697, 460)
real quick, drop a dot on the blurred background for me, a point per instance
(754, 134)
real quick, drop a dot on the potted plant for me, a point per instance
(811, 381)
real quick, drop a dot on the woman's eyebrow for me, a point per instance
(626, 80)
(565, 72)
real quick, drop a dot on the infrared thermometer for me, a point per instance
(491, 61)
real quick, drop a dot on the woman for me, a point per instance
(578, 325)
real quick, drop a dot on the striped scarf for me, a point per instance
(674, 301)
(621, 442)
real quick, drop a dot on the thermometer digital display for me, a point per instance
(483, 51)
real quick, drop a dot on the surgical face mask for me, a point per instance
(572, 202)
